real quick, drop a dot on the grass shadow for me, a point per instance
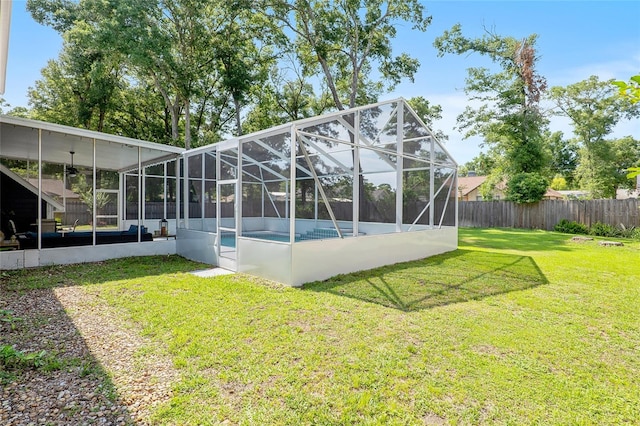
(449, 278)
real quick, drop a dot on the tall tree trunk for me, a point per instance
(236, 104)
(101, 120)
(187, 124)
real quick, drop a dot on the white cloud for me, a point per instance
(620, 69)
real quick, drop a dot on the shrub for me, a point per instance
(526, 188)
(571, 227)
(631, 232)
(600, 229)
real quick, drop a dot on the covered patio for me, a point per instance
(107, 170)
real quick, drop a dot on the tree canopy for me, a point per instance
(191, 72)
(594, 109)
(508, 118)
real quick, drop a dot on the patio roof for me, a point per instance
(19, 141)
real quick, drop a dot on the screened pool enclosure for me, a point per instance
(314, 198)
(304, 201)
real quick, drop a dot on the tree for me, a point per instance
(194, 55)
(594, 109)
(345, 41)
(169, 42)
(630, 91)
(428, 114)
(627, 159)
(244, 64)
(558, 183)
(563, 157)
(78, 88)
(85, 190)
(509, 118)
(482, 165)
(285, 99)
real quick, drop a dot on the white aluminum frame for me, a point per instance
(293, 262)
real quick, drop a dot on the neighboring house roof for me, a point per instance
(467, 184)
(54, 188)
(573, 193)
(552, 193)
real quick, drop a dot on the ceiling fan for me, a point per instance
(72, 171)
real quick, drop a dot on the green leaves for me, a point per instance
(526, 188)
(342, 42)
(633, 172)
(630, 90)
(594, 109)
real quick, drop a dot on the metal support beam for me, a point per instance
(399, 165)
(39, 221)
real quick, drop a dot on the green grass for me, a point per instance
(515, 327)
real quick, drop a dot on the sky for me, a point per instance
(576, 39)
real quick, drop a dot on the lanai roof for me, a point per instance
(19, 141)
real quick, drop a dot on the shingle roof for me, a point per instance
(467, 184)
(53, 187)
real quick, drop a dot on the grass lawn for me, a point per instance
(515, 327)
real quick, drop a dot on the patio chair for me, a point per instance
(71, 228)
(12, 227)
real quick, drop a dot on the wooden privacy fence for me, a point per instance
(475, 214)
(546, 214)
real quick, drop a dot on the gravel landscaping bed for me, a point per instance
(102, 374)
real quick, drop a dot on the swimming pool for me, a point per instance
(229, 239)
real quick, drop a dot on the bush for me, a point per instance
(526, 188)
(600, 229)
(571, 227)
(631, 232)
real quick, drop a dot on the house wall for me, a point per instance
(473, 195)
